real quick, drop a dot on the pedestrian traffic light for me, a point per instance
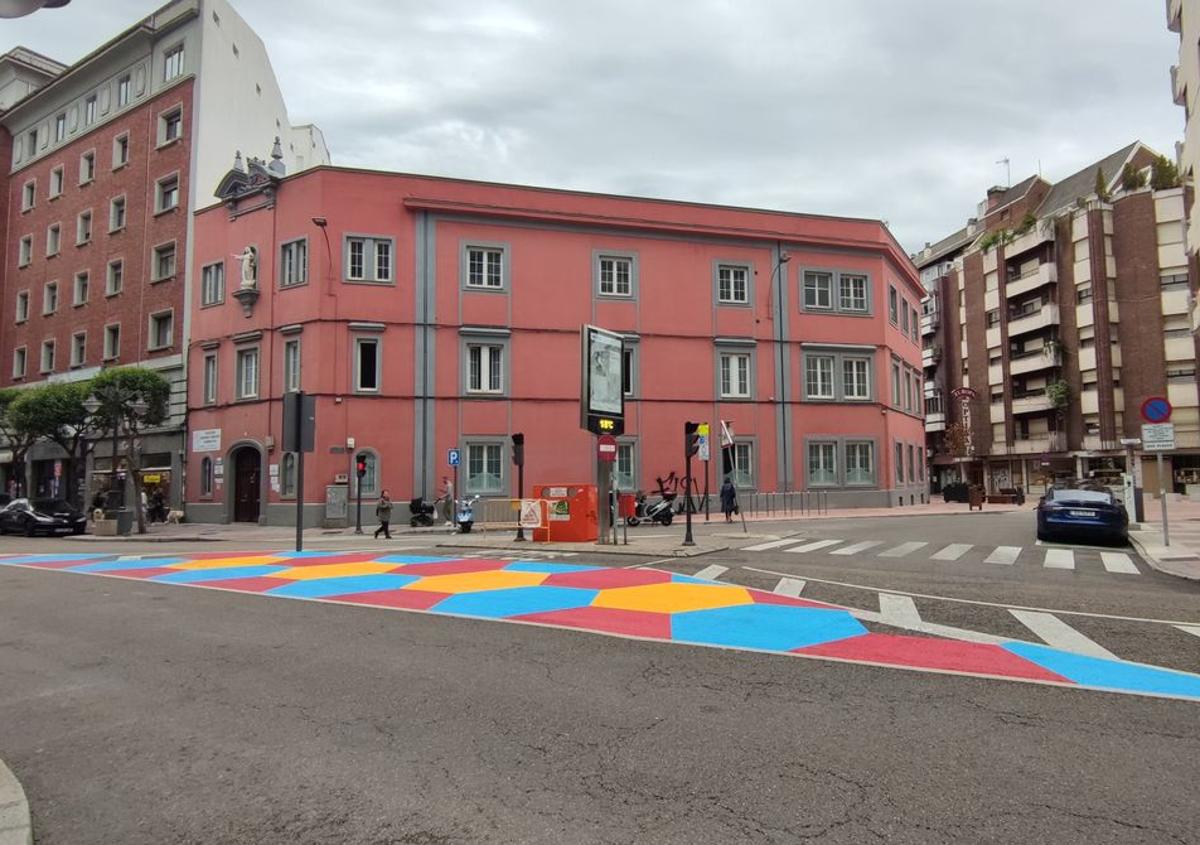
(360, 464)
(691, 438)
(518, 441)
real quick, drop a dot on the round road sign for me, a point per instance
(1156, 409)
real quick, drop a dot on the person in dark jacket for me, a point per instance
(728, 499)
(383, 512)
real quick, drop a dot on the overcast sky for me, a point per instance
(896, 109)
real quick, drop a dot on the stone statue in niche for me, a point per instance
(248, 258)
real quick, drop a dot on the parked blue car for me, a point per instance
(1086, 514)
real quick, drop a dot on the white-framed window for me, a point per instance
(822, 464)
(53, 239)
(860, 462)
(163, 262)
(120, 155)
(82, 283)
(897, 399)
(60, 127)
(247, 373)
(856, 378)
(89, 110)
(25, 251)
(78, 349)
(87, 167)
(56, 182)
(485, 368)
(166, 193)
(293, 263)
(170, 126)
(116, 214)
(114, 278)
(22, 306)
(852, 292)
(29, 195)
(733, 283)
(50, 298)
(818, 290)
(112, 341)
(162, 330)
(899, 463)
(893, 305)
(31, 140)
(287, 475)
(124, 86)
(47, 356)
(210, 378)
(368, 259)
(173, 62)
(206, 476)
(818, 377)
(370, 480)
(629, 370)
(625, 475)
(615, 275)
(83, 227)
(291, 364)
(735, 375)
(485, 267)
(485, 468)
(20, 362)
(367, 365)
(742, 459)
(212, 283)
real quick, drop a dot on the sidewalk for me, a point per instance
(1182, 557)
(15, 825)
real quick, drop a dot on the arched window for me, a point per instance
(206, 477)
(287, 474)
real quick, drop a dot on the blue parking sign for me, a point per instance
(453, 457)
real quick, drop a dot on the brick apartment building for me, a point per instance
(107, 158)
(427, 313)
(1050, 317)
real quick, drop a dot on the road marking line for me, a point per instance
(712, 572)
(1006, 555)
(1059, 559)
(902, 549)
(790, 587)
(1194, 630)
(1119, 562)
(1058, 634)
(952, 552)
(980, 602)
(812, 547)
(774, 544)
(899, 610)
(855, 548)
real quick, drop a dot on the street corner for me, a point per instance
(16, 825)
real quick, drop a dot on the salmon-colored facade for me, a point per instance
(427, 314)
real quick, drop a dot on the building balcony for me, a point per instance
(992, 339)
(935, 422)
(1055, 441)
(1035, 402)
(996, 412)
(1042, 318)
(929, 323)
(1175, 15)
(930, 357)
(1031, 362)
(1095, 443)
(1040, 233)
(1045, 274)
(1178, 86)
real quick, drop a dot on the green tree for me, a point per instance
(1131, 178)
(1163, 174)
(132, 399)
(56, 412)
(1101, 185)
(19, 430)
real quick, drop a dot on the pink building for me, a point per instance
(428, 313)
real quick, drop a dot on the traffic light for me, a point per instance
(360, 464)
(691, 438)
(518, 441)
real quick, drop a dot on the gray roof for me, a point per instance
(1083, 183)
(943, 248)
(1017, 191)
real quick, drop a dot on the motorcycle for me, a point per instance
(465, 515)
(422, 513)
(661, 511)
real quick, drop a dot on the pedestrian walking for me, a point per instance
(728, 499)
(158, 506)
(448, 499)
(383, 512)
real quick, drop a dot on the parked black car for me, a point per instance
(41, 516)
(1085, 513)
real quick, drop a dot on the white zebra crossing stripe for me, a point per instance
(903, 549)
(1194, 630)
(1058, 634)
(713, 572)
(953, 551)
(790, 587)
(774, 544)
(1119, 562)
(1059, 559)
(1006, 555)
(812, 547)
(899, 610)
(855, 548)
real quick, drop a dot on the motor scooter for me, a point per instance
(465, 515)
(660, 511)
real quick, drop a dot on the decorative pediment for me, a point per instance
(255, 176)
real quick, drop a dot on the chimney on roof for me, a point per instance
(994, 194)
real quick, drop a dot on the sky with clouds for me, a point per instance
(895, 109)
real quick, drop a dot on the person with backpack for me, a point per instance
(383, 512)
(728, 499)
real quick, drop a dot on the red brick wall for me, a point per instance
(977, 352)
(143, 230)
(1100, 285)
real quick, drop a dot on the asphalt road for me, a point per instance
(138, 712)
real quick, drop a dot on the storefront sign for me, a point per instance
(151, 478)
(206, 440)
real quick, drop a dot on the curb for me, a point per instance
(1151, 554)
(15, 825)
(593, 548)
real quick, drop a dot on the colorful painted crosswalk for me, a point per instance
(640, 603)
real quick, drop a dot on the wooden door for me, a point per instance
(247, 488)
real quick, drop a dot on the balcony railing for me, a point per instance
(1039, 233)
(1178, 87)
(1031, 402)
(935, 422)
(1031, 362)
(929, 323)
(1032, 320)
(1043, 274)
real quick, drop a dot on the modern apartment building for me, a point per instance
(427, 313)
(1049, 318)
(108, 157)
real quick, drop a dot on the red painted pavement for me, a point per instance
(453, 567)
(634, 623)
(602, 579)
(256, 584)
(405, 599)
